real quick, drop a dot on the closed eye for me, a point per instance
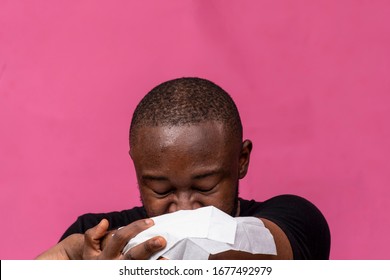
(164, 193)
(204, 190)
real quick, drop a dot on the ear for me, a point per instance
(245, 154)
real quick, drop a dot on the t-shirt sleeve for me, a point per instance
(302, 222)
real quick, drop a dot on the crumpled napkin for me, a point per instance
(195, 234)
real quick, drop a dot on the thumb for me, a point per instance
(92, 239)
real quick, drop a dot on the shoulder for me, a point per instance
(116, 219)
(274, 204)
(301, 221)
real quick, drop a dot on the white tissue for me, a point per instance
(195, 234)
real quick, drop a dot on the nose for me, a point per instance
(184, 201)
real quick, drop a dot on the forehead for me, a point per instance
(204, 142)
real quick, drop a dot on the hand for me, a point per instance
(71, 248)
(101, 244)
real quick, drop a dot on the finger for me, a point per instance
(107, 237)
(120, 238)
(92, 238)
(146, 249)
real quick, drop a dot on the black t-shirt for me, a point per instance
(304, 225)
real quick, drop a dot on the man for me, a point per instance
(188, 152)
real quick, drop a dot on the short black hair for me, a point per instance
(186, 101)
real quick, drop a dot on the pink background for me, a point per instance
(311, 79)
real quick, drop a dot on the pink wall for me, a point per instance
(311, 79)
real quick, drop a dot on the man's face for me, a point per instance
(188, 166)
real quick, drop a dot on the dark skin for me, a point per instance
(178, 168)
(187, 167)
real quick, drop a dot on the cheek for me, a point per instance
(223, 199)
(228, 197)
(155, 206)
